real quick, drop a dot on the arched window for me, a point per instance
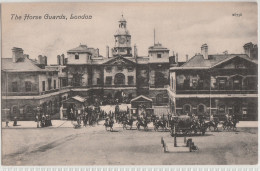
(28, 109)
(187, 108)
(222, 109)
(201, 108)
(15, 111)
(159, 99)
(119, 79)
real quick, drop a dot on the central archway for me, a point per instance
(119, 79)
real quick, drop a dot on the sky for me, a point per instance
(182, 27)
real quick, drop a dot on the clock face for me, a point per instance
(122, 40)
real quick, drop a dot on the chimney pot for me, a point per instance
(17, 54)
(58, 59)
(204, 51)
(107, 51)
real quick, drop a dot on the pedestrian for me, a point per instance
(15, 121)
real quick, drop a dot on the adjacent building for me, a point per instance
(216, 84)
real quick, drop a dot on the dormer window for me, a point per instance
(76, 56)
(159, 55)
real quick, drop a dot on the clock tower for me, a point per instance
(122, 40)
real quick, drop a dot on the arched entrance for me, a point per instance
(15, 111)
(119, 79)
(119, 96)
(187, 108)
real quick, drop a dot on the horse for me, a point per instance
(213, 124)
(158, 123)
(142, 123)
(109, 123)
(230, 124)
(128, 122)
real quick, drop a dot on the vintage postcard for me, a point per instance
(105, 84)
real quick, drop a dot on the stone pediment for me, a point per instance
(119, 61)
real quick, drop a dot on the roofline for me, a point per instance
(236, 55)
(183, 68)
(141, 96)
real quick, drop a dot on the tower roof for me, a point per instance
(122, 19)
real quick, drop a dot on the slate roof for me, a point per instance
(198, 61)
(157, 47)
(26, 66)
(80, 48)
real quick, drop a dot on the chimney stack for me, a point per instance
(97, 52)
(62, 59)
(107, 52)
(45, 60)
(172, 59)
(17, 54)
(204, 51)
(176, 59)
(58, 59)
(135, 51)
(42, 60)
(187, 58)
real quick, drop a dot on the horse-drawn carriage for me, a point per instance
(187, 125)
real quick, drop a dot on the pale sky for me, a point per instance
(182, 27)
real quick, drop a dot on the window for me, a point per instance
(14, 87)
(28, 86)
(76, 56)
(119, 79)
(43, 85)
(108, 80)
(121, 50)
(201, 108)
(49, 83)
(159, 99)
(108, 69)
(159, 55)
(222, 109)
(222, 83)
(172, 83)
(64, 82)
(186, 108)
(98, 81)
(54, 84)
(130, 69)
(130, 80)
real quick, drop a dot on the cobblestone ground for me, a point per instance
(96, 146)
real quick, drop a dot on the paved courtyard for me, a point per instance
(63, 145)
